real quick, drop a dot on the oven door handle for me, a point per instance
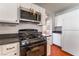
(28, 48)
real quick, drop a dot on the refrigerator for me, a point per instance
(70, 32)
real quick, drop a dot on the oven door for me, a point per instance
(39, 50)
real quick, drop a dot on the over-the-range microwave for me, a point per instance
(27, 15)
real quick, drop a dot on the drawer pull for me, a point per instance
(10, 48)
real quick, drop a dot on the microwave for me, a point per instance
(27, 15)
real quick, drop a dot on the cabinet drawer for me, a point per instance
(14, 53)
(10, 47)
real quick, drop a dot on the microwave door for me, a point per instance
(38, 17)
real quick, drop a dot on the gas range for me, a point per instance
(30, 38)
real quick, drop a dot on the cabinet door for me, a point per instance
(57, 39)
(70, 42)
(71, 20)
(8, 12)
(14, 53)
(58, 20)
(10, 47)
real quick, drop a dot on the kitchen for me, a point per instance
(26, 28)
(14, 21)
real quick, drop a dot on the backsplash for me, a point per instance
(10, 28)
(7, 29)
(29, 26)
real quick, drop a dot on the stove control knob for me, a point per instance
(27, 42)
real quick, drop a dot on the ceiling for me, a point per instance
(56, 7)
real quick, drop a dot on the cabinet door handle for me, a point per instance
(10, 48)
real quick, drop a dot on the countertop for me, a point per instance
(7, 41)
(57, 32)
(8, 38)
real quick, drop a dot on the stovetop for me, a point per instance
(31, 41)
(30, 36)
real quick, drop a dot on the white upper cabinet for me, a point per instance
(35, 7)
(71, 20)
(9, 12)
(58, 20)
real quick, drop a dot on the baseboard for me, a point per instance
(57, 46)
(63, 50)
(67, 53)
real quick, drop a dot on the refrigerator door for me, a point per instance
(70, 42)
(71, 20)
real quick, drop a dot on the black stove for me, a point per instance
(30, 39)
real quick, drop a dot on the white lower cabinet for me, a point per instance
(70, 42)
(13, 53)
(11, 49)
(57, 39)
